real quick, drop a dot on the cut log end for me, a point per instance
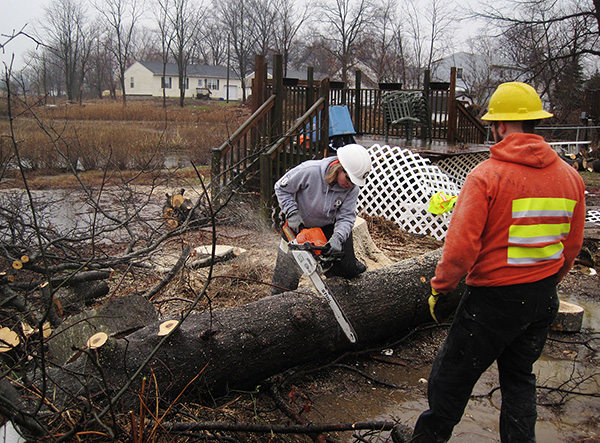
(97, 340)
(569, 318)
(166, 327)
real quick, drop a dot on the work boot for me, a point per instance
(401, 434)
(361, 267)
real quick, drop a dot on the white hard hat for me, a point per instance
(356, 161)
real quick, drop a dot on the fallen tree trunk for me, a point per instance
(239, 347)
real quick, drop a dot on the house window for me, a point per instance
(459, 72)
(131, 82)
(187, 83)
(165, 82)
(212, 83)
(200, 83)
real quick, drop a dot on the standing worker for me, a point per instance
(322, 194)
(516, 230)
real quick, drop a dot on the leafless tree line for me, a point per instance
(86, 49)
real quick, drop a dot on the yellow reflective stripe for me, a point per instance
(527, 255)
(543, 207)
(540, 233)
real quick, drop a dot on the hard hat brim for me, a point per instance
(507, 117)
(356, 180)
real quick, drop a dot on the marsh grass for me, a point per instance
(108, 135)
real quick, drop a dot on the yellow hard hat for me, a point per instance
(515, 101)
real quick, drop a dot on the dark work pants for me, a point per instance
(507, 324)
(287, 273)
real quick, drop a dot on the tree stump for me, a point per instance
(569, 318)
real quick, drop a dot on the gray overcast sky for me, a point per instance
(14, 14)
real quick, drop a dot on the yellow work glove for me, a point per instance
(433, 299)
(441, 202)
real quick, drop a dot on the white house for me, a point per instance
(145, 79)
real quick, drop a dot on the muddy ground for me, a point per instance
(361, 387)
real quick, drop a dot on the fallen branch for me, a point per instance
(172, 272)
(278, 429)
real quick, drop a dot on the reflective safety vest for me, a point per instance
(537, 242)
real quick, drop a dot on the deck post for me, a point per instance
(324, 138)
(357, 102)
(258, 95)
(266, 192)
(310, 87)
(452, 117)
(215, 174)
(278, 91)
(426, 88)
(258, 83)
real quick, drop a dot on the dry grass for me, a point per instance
(106, 134)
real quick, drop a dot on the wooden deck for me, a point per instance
(435, 149)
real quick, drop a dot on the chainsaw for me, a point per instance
(308, 249)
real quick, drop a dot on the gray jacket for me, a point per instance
(304, 188)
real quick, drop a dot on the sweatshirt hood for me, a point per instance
(524, 149)
(325, 163)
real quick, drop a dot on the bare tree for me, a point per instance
(581, 14)
(185, 20)
(66, 33)
(440, 18)
(478, 74)
(343, 23)
(241, 36)
(289, 20)
(100, 77)
(213, 44)
(263, 14)
(543, 39)
(165, 33)
(121, 17)
(429, 30)
(379, 50)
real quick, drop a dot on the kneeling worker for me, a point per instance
(322, 194)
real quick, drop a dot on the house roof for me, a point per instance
(192, 70)
(293, 73)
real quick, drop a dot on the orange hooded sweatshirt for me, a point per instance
(519, 218)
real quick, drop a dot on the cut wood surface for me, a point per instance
(239, 347)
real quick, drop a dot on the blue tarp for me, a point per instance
(340, 123)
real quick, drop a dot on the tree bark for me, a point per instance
(239, 347)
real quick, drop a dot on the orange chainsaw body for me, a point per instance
(313, 236)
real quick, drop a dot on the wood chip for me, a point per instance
(46, 330)
(8, 339)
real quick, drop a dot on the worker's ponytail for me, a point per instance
(332, 171)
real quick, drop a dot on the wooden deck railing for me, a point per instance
(237, 160)
(468, 128)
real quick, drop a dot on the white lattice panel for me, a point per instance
(399, 188)
(458, 166)
(401, 183)
(593, 217)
